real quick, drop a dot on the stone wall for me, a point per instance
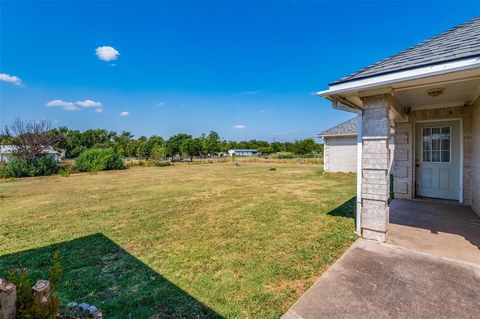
(375, 166)
(403, 162)
(340, 154)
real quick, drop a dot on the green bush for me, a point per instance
(98, 159)
(26, 305)
(67, 168)
(162, 163)
(41, 166)
(16, 168)
(283, 155)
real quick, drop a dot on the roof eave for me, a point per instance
(336, 135)
(401, 76)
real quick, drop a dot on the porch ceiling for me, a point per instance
(451, 94)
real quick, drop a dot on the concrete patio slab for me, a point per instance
(441, 228)
(374, 280)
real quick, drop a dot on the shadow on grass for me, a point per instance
(347, 209)
(99, 272)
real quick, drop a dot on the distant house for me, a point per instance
(242, 152)
(340, 150)
(6, 153)
(341, 147)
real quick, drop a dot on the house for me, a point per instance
(429, 95)
(242, 152)
(340, 147)
(6, 153)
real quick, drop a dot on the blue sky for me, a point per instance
(242, 69)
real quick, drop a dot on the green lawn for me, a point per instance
(186, 241)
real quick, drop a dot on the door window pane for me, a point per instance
(446, 132)
(445, 156)
(445, 145)
(436, 133)
(426, 156)
(436, 144)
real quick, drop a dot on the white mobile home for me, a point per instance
(242, 152)
(7, 153)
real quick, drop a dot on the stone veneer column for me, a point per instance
(402, 160)
(375, 166)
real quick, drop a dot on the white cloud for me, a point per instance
(124, 113)
(239, 126)
(74, 106)
(10, 78)
(88, 103)
(160, 104)
(107, 53)
(68, 106)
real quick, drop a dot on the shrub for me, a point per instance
(283, 155)
(26, 306)
(16, 168)
(67, 168)
(150, 163)
(98, 159)
(162, 164)
(43, 166)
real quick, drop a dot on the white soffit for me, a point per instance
(453, 94)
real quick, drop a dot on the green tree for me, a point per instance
(212, 143)
(158, 153)
(191, 147)
(172, 145)
(142, 151)
(152, 142)
(131, 148)
(265, 149)
(305, 146)
(120, 142)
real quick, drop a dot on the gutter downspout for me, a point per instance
(358, 219)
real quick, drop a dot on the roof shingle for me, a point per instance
(345, 128)
(460, 42)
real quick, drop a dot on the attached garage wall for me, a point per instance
(340, 154)
(476, 158)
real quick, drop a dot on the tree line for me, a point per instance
(75, 142)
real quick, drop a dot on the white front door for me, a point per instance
(437, 159)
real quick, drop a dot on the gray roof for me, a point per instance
(346, 128)
(458, 43)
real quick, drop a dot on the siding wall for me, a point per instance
(340, 154)
(476, 158)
